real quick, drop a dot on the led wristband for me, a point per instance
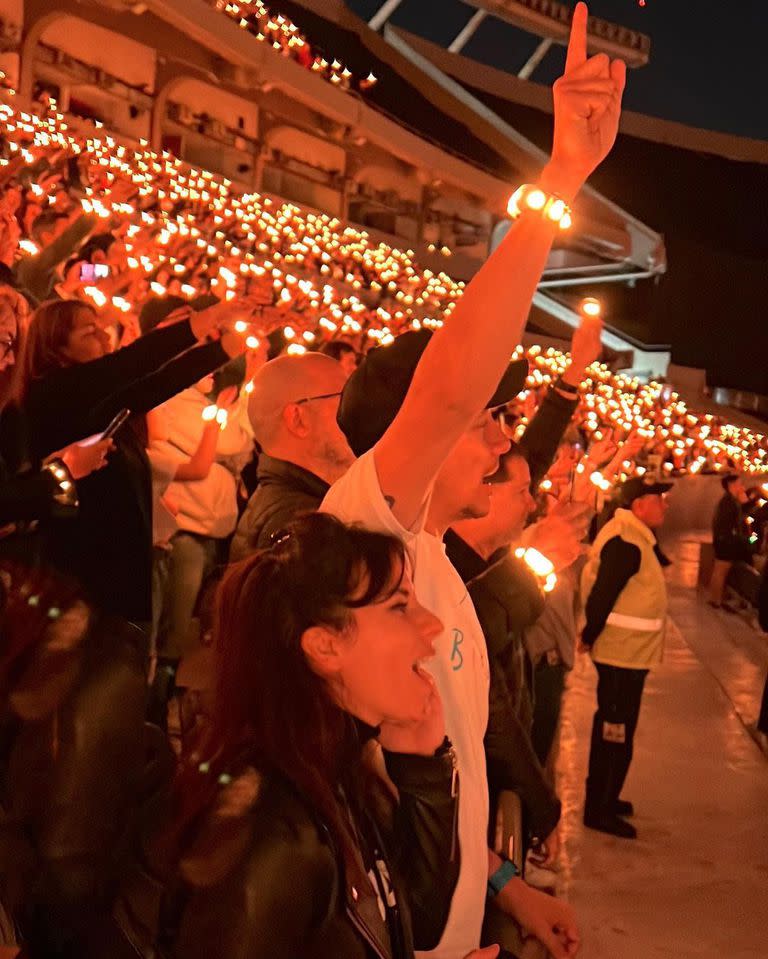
(541, 567)
(530, 198)
(214, 412)
(66, 491)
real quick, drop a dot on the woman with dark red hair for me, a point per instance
(287, 840)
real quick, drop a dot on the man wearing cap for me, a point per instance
(417, 414)
(625, 597)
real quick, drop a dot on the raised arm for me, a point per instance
(465, 360)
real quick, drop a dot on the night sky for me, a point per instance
(708, 66)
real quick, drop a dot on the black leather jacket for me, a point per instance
(262, 879)
(74, 783)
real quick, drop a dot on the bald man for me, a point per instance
(292, 410)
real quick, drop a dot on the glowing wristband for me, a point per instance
(66, 492)
(600, 481)
(541, 567)
(213, 412)
(532, 199)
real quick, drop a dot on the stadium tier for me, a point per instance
(166, 228)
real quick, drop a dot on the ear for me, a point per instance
(295, 420)
(323, 648)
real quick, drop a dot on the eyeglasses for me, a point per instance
(505, 417)
(320, 396)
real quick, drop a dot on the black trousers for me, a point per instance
(619, 692)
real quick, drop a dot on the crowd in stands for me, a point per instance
(160, 228)
(284, 36)
(248, 479)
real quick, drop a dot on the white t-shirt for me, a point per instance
(460, 669)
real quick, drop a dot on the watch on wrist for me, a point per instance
(506, 871)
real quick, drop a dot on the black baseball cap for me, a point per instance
(638, 486)
(375, 391)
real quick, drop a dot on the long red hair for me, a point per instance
(271, 710)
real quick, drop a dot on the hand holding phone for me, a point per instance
(115, 425)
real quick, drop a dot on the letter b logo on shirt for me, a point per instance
(457, 657)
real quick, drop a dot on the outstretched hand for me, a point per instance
(587, 107)
(586, 345)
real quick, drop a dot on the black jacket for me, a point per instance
(507, 598)
(261, 878)
(285, 490)
(74, 783)
(108, 546)
(730, 533)
(543, 435)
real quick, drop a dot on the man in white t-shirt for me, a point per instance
(418, 414)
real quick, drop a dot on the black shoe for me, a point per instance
(623, 808)
(610, 823)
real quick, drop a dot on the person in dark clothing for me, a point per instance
(625, 598)
(292, 409)
(344, 352)
(74, 779)
(730, 537)
(285, 842)
(68, 387)
(508, 598)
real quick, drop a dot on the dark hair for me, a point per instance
(726, 481)
(41, 347)
(337, 348)
(7, 276)
(514, 452)
(157, 309)
(46, 221)
(271, 710)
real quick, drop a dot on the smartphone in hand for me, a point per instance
(115, 425)
(109, 432)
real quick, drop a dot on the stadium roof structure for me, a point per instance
(697, 187)
(608, 245)
(549, 20)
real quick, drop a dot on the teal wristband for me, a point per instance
(506, 871)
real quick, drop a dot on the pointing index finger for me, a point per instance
(577, 43)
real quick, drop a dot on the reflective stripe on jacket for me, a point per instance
(633, 636)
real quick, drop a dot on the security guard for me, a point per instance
(625, 597)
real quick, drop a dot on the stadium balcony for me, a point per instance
(456, 180)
